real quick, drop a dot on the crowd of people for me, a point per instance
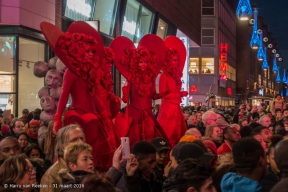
(224, 149)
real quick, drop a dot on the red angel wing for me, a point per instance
(118, 45)
(176, 43)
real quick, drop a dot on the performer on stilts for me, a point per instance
(81, 50)
(140, 66)
(170, 114)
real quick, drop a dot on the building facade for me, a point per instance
(212, 65)
(23, 44)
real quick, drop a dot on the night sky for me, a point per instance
(275, 14)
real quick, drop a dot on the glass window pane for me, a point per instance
(194, 66)
(208, 32)
(207, 11)
(162, 29)
(105, 12)
(208, 40)
(207, 3)
(207, 65)
(7, 83)
(7, 54)
(137, 21)
(29, 85)
(79, 9)
(7, 102)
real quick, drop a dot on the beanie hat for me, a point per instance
(5, 129)
(191, 150)
(34, 123)
(188, 138)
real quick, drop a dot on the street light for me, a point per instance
(255, 40)
(244, 10)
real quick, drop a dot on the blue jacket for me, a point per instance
(231, 182)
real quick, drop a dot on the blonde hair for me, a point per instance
(72, 151)
(209, 130)
(62, 138)
(13, 169)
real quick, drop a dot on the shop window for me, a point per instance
(7, 102)
(105, 12)
(207, 36)
(194, 66)
(137, 21)
(207, 7)
(78, 9)
(207, 66)
(29, 85)
(7, 54)
(7, 72)
(161, 29)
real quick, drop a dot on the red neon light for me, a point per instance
(229, 91)
(223, 56)
(223, 66)
(224, 47)
(223, 76)
(193, 89)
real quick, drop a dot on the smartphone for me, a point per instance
(126, 147)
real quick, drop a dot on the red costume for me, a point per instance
(224, 148)
(140, 67)
(170, 115)
(81, 50)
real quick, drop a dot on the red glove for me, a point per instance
(57, 123)
(184, 93)
(126, 94)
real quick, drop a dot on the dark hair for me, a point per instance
(259, 129)
(192, 173)
(247, 152)
(35, 147)
(245, 131)
(284, 110)
(23, 133)
(220, 172)
(142, 149)
(276, 138)
(281, 156)
(281, 186)
(96, 183)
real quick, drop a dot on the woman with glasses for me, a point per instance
(17, 174)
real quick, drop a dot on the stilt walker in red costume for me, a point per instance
(81, 50)
(140, 66)
(170, 115)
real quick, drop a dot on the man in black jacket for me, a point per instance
(139, 175)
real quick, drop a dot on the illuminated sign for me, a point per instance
(79, 6)
(193, 89)
(229, 91)
(130, 27)
(223, 76)
(223, 66)
(184, 79)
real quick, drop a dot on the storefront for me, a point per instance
(20, 48)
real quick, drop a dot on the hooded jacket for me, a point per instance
(231, 182)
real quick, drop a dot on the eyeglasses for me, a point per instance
(30, 170)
